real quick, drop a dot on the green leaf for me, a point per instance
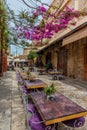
(32, 55)
(49, 90)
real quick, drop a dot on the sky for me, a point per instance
(16, 6)
(15, 50)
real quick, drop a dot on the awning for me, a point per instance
(23, 60)
(75, 36)
(18, 60)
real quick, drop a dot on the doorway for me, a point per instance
(62, 60)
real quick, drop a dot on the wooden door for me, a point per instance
(85, 63)
(62, 60)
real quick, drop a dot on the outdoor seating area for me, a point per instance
(41, 71)
(43, 65)
(56, 74)
(43, 113)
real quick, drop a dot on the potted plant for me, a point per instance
(23, 69)
(50, 92)
(48, 66)
(28, 74)
(32, 78)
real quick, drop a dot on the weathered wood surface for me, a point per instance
(35, 84)
(41, 70)
(55, 72)
(62, 108)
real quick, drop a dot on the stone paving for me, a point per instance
(12, 114)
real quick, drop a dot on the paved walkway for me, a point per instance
(12, 115)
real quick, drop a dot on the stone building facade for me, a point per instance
(76, 56)
(67, 50)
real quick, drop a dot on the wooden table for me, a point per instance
(25, 77)
(41, 70)
(55, 74)
(37, 83)
(31, 68)
(61, 109)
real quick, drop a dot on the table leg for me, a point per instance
(54, 77)
(40, 73)
(53, 127)
(56, 126)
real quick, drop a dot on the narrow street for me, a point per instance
(12, 114)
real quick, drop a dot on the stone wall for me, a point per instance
(54, 57)
(81, 6)
(44, 58)
(53, 51)
(75, 59)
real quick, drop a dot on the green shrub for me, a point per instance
(32, 55)
(49, 90)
